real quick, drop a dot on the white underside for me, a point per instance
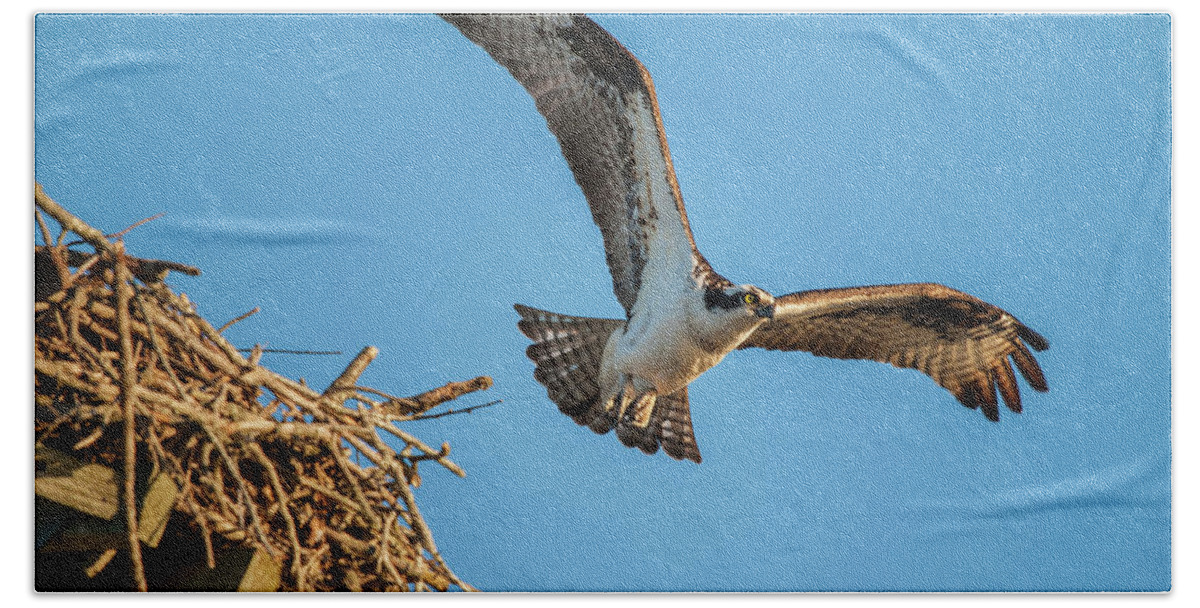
(671, 338)
(658, 350)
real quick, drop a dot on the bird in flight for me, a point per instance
(681, 316)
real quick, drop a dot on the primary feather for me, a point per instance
(681, 316)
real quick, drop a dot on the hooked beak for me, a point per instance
(766, 312)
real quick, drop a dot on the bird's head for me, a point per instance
(740, 302)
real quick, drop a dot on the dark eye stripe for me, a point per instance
(717, 298)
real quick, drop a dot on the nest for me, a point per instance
(129, 377)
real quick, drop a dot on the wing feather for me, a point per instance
(962, 342)
(599, 102)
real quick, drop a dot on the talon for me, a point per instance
(643, 407)
(627, 395)
(610, 403)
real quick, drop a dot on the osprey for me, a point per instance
(681, 316)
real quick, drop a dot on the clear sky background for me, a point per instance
(379, 180)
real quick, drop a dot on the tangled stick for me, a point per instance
(129, 376)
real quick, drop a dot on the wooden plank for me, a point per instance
(88, 488)
(156, 510)
(262, 574)
(92, 489)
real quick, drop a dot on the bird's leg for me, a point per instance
(643, 407)
(615, 395)
(626, 394)
(630, 394)
(637, 402)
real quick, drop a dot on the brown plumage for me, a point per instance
(596, 98)
(567, 351)
(681, 316)
(960, 341)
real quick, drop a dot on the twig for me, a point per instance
(209, 557)
(420, 445)
(331, 493)
(115, 344)
(118, 235)
(349, 377)
(72, 223)
(81, 270)
(41, 222)
(237, 319)
(450, 391)
(465, 410)
(100, 563)
(129, 403)
(89, 440)
(282, 351)
(243, 491)
(282, 497)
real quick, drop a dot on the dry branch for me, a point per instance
(128, 376)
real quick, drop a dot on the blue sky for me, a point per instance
(379, 180)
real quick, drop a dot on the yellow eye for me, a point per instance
(750, 299)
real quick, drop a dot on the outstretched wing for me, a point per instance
(960, 341)
(599, 102)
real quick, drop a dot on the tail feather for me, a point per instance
(670, 425)
(568, 352)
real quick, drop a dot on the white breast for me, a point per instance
(661, 343)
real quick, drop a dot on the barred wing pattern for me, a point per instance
(599, 102)
(567, 351)
(960, 341)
